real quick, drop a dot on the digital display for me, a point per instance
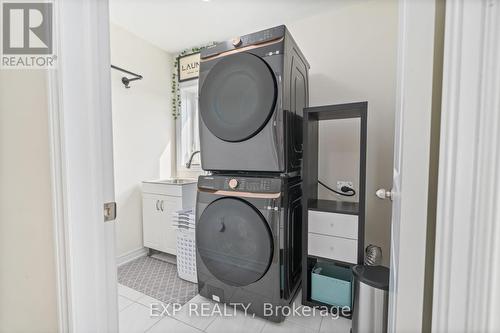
(253, 186)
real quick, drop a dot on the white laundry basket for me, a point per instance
(184, 221)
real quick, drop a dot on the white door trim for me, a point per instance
(467, 261)
(60, 218)
(80, 130)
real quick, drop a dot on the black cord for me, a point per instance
(346, 190)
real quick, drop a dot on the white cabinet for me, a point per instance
(333, 236)
(159, 201)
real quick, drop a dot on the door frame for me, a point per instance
(80, 133)
(80, 119)
(467, 260)
(80, 125)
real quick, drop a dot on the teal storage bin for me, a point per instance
(331, 284)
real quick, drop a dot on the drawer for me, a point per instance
(333, 224)
(331, 247)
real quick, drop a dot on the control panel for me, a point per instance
(240, 184)
(262, 36)
(246, 40)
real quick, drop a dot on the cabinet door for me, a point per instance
(168, 241)
(151, 220)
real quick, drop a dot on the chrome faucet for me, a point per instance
(188, 164)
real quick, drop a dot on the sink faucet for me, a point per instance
(188, 164)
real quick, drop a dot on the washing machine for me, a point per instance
(252, 91)
(248, 241)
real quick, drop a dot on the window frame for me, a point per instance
(180, 164)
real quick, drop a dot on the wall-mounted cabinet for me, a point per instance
(333, 230)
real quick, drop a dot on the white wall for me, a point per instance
(352, 50)
(339, 141)
(143, 131)
(27, 259)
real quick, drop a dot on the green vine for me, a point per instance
(176, 94)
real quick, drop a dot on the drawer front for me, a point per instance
(333, 224)
(336, 248)
(164, 189)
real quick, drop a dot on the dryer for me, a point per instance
(248, 240)
(252, 91)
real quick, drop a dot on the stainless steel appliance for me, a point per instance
(248, 239)
(252, 91)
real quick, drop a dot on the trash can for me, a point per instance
(371, 288)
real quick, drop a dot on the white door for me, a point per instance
(151, 220)
(82, 163)
(395, 218)
(416, 87)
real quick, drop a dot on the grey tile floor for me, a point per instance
(135, 316)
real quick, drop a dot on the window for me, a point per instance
(188, 139)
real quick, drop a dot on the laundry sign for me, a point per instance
(188, 67)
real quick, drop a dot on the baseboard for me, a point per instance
(131, 255)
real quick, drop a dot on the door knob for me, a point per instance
(384, 194)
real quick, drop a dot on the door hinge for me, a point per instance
(109, 211)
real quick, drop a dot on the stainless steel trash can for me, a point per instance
(371, 287)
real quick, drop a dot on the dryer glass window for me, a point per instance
(237, 97)
(234, 241)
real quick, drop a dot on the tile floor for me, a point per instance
(135, 316)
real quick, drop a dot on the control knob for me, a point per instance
(233, 183)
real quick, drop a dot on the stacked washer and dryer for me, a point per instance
(252, 91)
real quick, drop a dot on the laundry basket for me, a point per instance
(184, 221)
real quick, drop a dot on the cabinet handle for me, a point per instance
(157, 202)
(161, 206)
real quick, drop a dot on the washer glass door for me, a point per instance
(234, 241)
(237, 97)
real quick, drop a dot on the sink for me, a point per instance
(177, 181)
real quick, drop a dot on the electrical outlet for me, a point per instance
(341, 183)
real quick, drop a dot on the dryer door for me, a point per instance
(234, 241)
(238, 97)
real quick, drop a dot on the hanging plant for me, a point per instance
(176, 93)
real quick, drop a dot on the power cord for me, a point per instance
(345, 190)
